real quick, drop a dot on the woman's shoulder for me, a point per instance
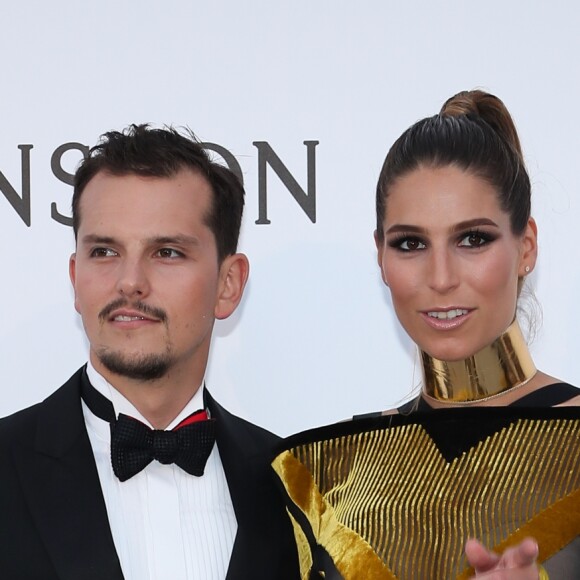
(573, 402)
(415, 404)
(552, 393)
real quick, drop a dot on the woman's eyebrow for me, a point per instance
(397, 228)
(464, 225)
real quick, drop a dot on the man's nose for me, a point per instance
(133, 279)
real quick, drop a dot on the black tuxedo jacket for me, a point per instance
(53, 519)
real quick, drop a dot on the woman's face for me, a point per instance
(451, 260)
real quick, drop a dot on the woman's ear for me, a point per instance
(529, 252)
(380, 251)
(233, 276)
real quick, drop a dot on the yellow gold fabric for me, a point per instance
(543, 574)
(504, 365)
(304, 554)
(565, 511)
(386, 504)
(354, 557)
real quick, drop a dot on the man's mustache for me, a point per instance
(150, 311)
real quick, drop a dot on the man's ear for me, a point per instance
(529, 253)
(72, 272)
(233, 276)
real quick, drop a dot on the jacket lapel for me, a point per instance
(60, 480)
(261, 520)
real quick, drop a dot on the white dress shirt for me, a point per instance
(166, 524)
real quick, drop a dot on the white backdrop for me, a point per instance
(315, 339)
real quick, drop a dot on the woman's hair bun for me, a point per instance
(488, 107)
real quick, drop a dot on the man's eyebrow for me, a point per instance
(179, 239)
(96, 239)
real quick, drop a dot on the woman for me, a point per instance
(397, 495)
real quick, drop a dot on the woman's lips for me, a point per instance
(447, 314)
(446, 319)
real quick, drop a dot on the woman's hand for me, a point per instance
(517, 563)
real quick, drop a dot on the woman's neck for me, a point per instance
(503, 368)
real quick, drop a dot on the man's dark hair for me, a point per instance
(143, 150)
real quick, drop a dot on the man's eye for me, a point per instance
(169, 253)
(102, 253)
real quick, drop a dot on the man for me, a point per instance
(87, 492)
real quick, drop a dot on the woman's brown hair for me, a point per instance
(475, 132)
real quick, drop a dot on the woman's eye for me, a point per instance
(474, 240)
(411, 245)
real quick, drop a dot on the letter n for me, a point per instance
(307, 201)
(20, 204)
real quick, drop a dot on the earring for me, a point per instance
(527, 269)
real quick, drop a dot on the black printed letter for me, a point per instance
(63, 176)
(307, 201)
(228, 157)
(20, 204)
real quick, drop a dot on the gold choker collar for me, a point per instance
(502, 366)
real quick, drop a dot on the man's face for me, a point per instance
(146, 276)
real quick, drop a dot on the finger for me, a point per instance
(524, 554)
(521, 556)
(479, 557)
(506, 575)
(529, 573)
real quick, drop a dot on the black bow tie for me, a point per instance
(134, 445)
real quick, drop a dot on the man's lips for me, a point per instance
(130, 316)
(121, 311)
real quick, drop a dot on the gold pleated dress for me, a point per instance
(397, 496)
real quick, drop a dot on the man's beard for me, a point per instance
(146, 367)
